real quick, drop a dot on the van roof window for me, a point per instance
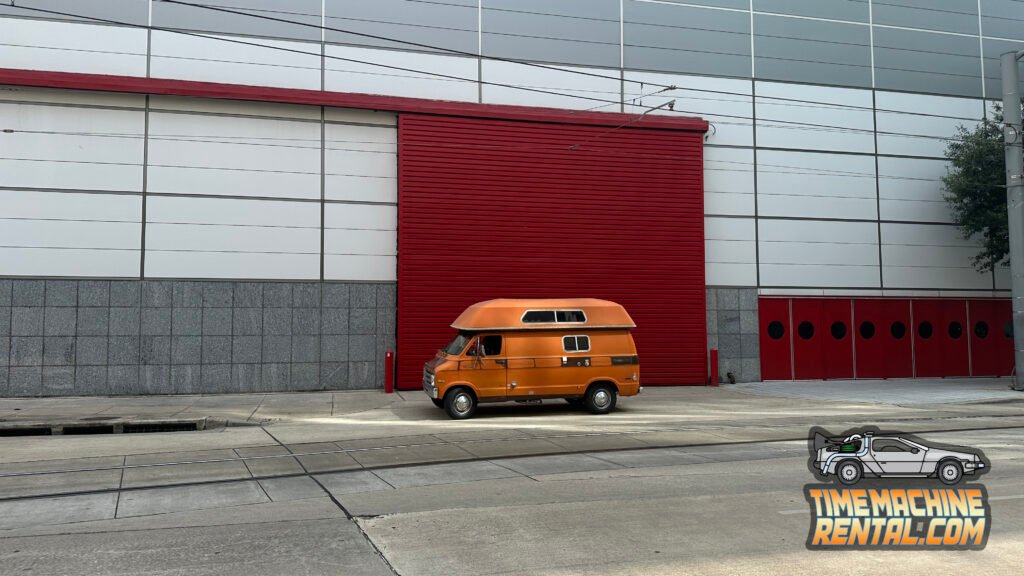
(554, 317)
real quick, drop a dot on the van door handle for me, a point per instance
(512, 385)
(503, 362)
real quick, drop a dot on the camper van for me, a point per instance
(532, 350)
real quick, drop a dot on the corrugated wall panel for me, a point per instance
(494, 208)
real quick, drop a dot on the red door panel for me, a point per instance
(837, 333)
(940, 338)
(773, 315)
(883, 341)
(991, 347)
(808, 338)
(822, 339)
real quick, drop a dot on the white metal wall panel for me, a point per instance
(360, 242)
(71, 47)
(70, 97)
(728, 181)
(361, 163)
(894, 127)
(784, 124)
(818, 253)
(234, 107)
(66, 234)
(811, 185)
(929, 256)
(71, 147)
(396, 73)
(730, 252)
(240, 60)
(1002, 278)
(726, 103)
(232, 238)
(911, 189)
(224, 155)
(581, 92)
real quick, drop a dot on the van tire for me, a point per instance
(600, 398)
(460, 403)
(438, 402)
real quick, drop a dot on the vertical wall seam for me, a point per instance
(480, 51)
(981, 50)
(757, 222)
(323, 190)
(878, 188)
(145, 187)
(871, 41)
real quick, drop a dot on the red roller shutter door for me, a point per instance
(495, 208)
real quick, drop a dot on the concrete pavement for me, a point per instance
(675, 478)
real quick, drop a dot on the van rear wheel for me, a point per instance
(460, 404)
(600, 399)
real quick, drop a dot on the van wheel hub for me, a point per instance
(462, 402)
(602, 398)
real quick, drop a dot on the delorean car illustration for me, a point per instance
(891, 455)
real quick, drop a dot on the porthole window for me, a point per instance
(805, 330)
(839, 330)
(956, 330)
(776, 330)
(981, 329)
(1008, 329)
(867, 330)
(898, 330)
(924, 330)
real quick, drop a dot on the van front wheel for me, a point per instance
(600, 399)
(460, 404)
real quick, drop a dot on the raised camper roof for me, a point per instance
(527, 314)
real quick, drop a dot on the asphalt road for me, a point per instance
(713, 509)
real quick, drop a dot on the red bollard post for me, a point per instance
(714, 366)
(389, 372)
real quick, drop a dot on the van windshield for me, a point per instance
(458, 344)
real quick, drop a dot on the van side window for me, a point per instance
(539, 317)
(571, 316)
(492, 345)
(576, 343)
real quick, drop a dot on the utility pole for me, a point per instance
(1014, 140)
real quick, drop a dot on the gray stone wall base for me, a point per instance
(132, 337)
(733, 329)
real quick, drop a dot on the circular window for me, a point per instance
(776, 330)
(924, 330)
(1008, 329)
(981, 329)
(898, 330)
(838, 330)
(805, 330)
(867, 330)
(955, 330)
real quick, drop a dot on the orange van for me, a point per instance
(532, 350)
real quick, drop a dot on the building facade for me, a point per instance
(208, 198)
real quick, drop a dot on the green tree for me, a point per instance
(976, 189)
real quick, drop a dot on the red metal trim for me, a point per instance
(170, 87)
